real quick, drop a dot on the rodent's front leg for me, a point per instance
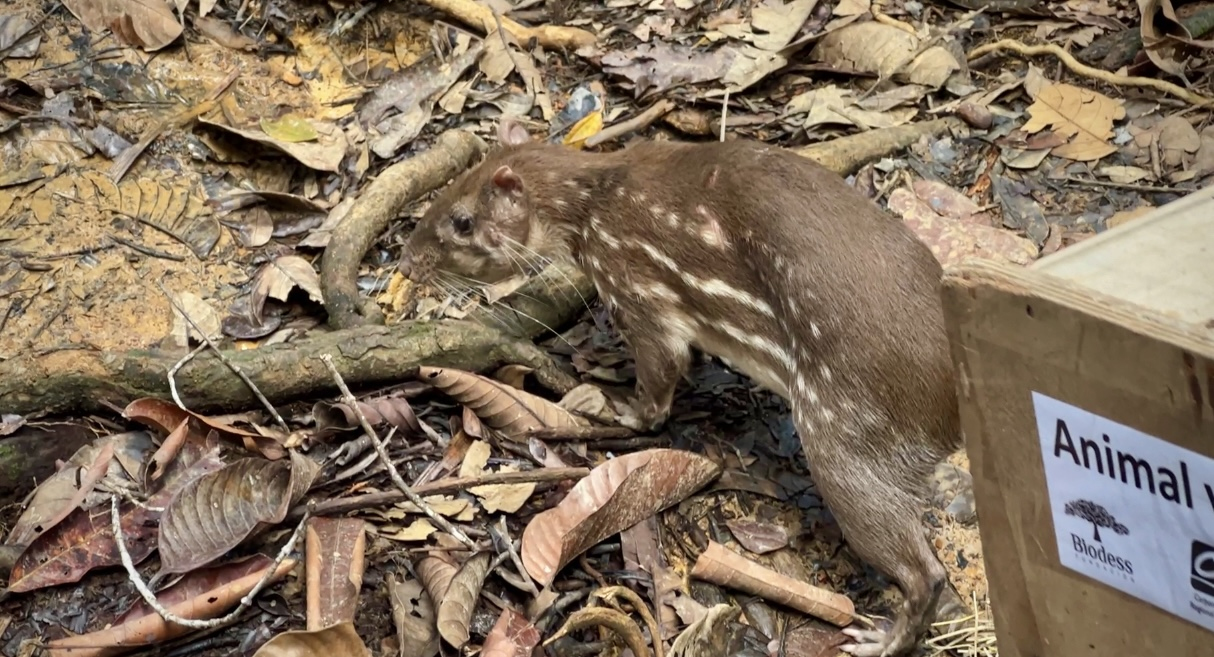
(661, 360)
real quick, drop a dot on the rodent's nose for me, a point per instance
(405, 266)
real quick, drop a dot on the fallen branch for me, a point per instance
(1080, 68)
(549, 36)
(393, 189)
(638, 122)
(846, 154)
(83, 380)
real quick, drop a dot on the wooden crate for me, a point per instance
(1104, 349)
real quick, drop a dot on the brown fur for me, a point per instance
(768, 246)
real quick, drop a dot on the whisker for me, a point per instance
(547, 262)
(467, 280)
(548, 328)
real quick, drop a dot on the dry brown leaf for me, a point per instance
(513, 375)
(613, 497)
(323, 154)
(419, 530)
(656, 67)
(1082, 114)
(873, 47)
(60, 494)
(334, 417)
(340, 639)
(149, 24)
(835, 105)
(758, 536)
(1160, 50)
(772, 25)
(435, 574)
(200, 595)
(276, 280)
(167, 416)
(413, 614)
(455, 610)
(506, 498)
(202, 314)
(509, 410)
(334, 548)
(215, 512)
(512, 636)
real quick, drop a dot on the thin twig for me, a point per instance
(504, 532)
(1151, 189)
(443, 487)
(176, 368)
(147, 250)
(1087, 71)
(150, 598)
(642, 120)
(232, 366)
(393, 473)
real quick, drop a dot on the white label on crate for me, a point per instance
(1130, 510)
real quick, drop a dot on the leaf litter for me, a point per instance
(239, 189)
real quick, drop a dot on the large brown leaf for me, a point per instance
(215, 512)
(503, 407)
(58, 495)
(167, 416)
(335, 551)
(414, 615)
(146, 23)
(85, 540)
(613, 497)
(340, 640)
(203, 594)
(455, 609)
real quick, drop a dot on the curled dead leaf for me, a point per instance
(613, 497)
(455, 610)
(149, 24)
(505, 408)
(215, 512)
(332, 417)
(435, 574)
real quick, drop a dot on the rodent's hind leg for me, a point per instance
(661, 360)
(878, 512)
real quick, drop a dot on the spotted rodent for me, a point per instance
(775, 265)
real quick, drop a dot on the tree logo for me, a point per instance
(1097, 515)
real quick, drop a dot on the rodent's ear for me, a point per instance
(511, 133)
(506, 180)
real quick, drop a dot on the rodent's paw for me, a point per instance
(870, 643)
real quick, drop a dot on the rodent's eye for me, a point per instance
(462, 224)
